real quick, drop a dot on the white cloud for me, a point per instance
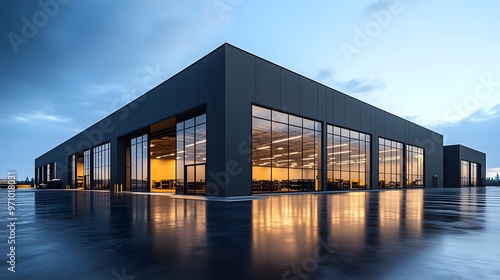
(40, 117)
(362, 85)
(352, 86)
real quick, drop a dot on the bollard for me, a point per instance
(121, 187)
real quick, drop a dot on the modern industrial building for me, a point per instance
(233, 124)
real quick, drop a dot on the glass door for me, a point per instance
(195, 178)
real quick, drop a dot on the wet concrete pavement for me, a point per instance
(410, 234)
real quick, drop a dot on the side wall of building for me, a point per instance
(201, 84)
(252, 80)
(472, 155)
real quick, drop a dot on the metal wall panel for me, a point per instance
(268, 83)
(290, 91)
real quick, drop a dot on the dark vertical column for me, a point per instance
(324, 161)
(91, 172)
(405, 167)
(236, 174)
(212, 85)
(374, 162)
(118, 162)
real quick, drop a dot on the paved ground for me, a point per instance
(413, 234)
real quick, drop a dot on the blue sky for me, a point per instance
(67, 64)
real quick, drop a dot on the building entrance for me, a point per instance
(195, 178)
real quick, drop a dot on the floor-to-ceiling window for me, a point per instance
(86, 169)
(473, 174)
(47, 170)
(465, 173)
(191, 155)
(469, 173)
(348, 159)
(101, 167)
(162, 154)
(390, 164)
(139, 156)
(414, 167)
(286, 152)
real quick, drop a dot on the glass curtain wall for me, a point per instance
(286, 152)
(348, 157)
(139, 156)
(101, 167)
(469, 176)
(414, 167)
(162, 154)
(390, 164)
(47, 169)
(86, 169)
(473, 174)
(465, 174)
(191, 155)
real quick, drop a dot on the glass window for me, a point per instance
(261, 112)
(180, 126)
(469, 174)
(86, 169)
(390, 164)
(201, 119)
(280, 117)
(347, 159)
(293, 120)
(473, 174)
(101, 175)
(189, 123)
(285, 152)
(139, 164)
(414, 167)
(192, 156)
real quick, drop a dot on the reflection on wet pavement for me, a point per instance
(400, 234)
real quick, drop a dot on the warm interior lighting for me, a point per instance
(336, 146)
(358, 155)
(338, 153)
(286, 139)
(385, 151)
(391, 158)
(263, 148)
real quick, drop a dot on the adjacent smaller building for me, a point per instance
(463, 166)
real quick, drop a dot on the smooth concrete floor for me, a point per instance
(396, 234)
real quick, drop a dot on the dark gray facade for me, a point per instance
(454, 156)
(225, 84)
